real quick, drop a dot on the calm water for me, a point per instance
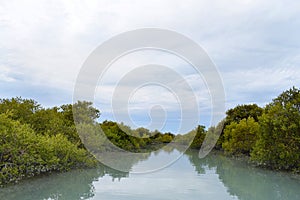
(214, 177)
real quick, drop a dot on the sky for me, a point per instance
(254, 45)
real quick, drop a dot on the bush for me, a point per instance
(239, 138)
(23, 153)
(278, 145)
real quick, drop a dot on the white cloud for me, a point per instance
(260, 85)
(5, 74)
(254, 43)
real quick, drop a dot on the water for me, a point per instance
(214, 177)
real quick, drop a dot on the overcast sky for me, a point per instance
(254, 44)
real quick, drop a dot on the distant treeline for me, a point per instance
(36, 140)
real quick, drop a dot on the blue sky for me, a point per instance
(254, 44)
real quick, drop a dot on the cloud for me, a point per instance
(255, 45)
(260, 85)
(5, 74)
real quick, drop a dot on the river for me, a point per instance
(214, 177)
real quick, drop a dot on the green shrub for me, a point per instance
(23, 153)
(278, 145)
(240, 138)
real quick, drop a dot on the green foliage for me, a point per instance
(158, 137)
(217, 133)
(19, 109)
(166, 138)
(212, 136)
(271, 136)
(240, 112)
(119, 138)
(239, 138)
(84, 112)
(199, 137)
(140, 132)
(237, 114)
(278, 144)
(23, 153)
(185, 139)
(54, 121)
(35, 140)
(92, 137)
(134, 140)
(181, 139)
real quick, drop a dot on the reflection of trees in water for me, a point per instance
(245, 181)
(252, 183)
(121, 161)
(195, 161)
(115, 174)
(241, 180)
(200, 165)
(169, 148)
(76, 184)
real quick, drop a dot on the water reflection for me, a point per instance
(247, 182)
(190, 178)
(77, 184)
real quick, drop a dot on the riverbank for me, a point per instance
(247, 159)
(35, 140)
(213, 177)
